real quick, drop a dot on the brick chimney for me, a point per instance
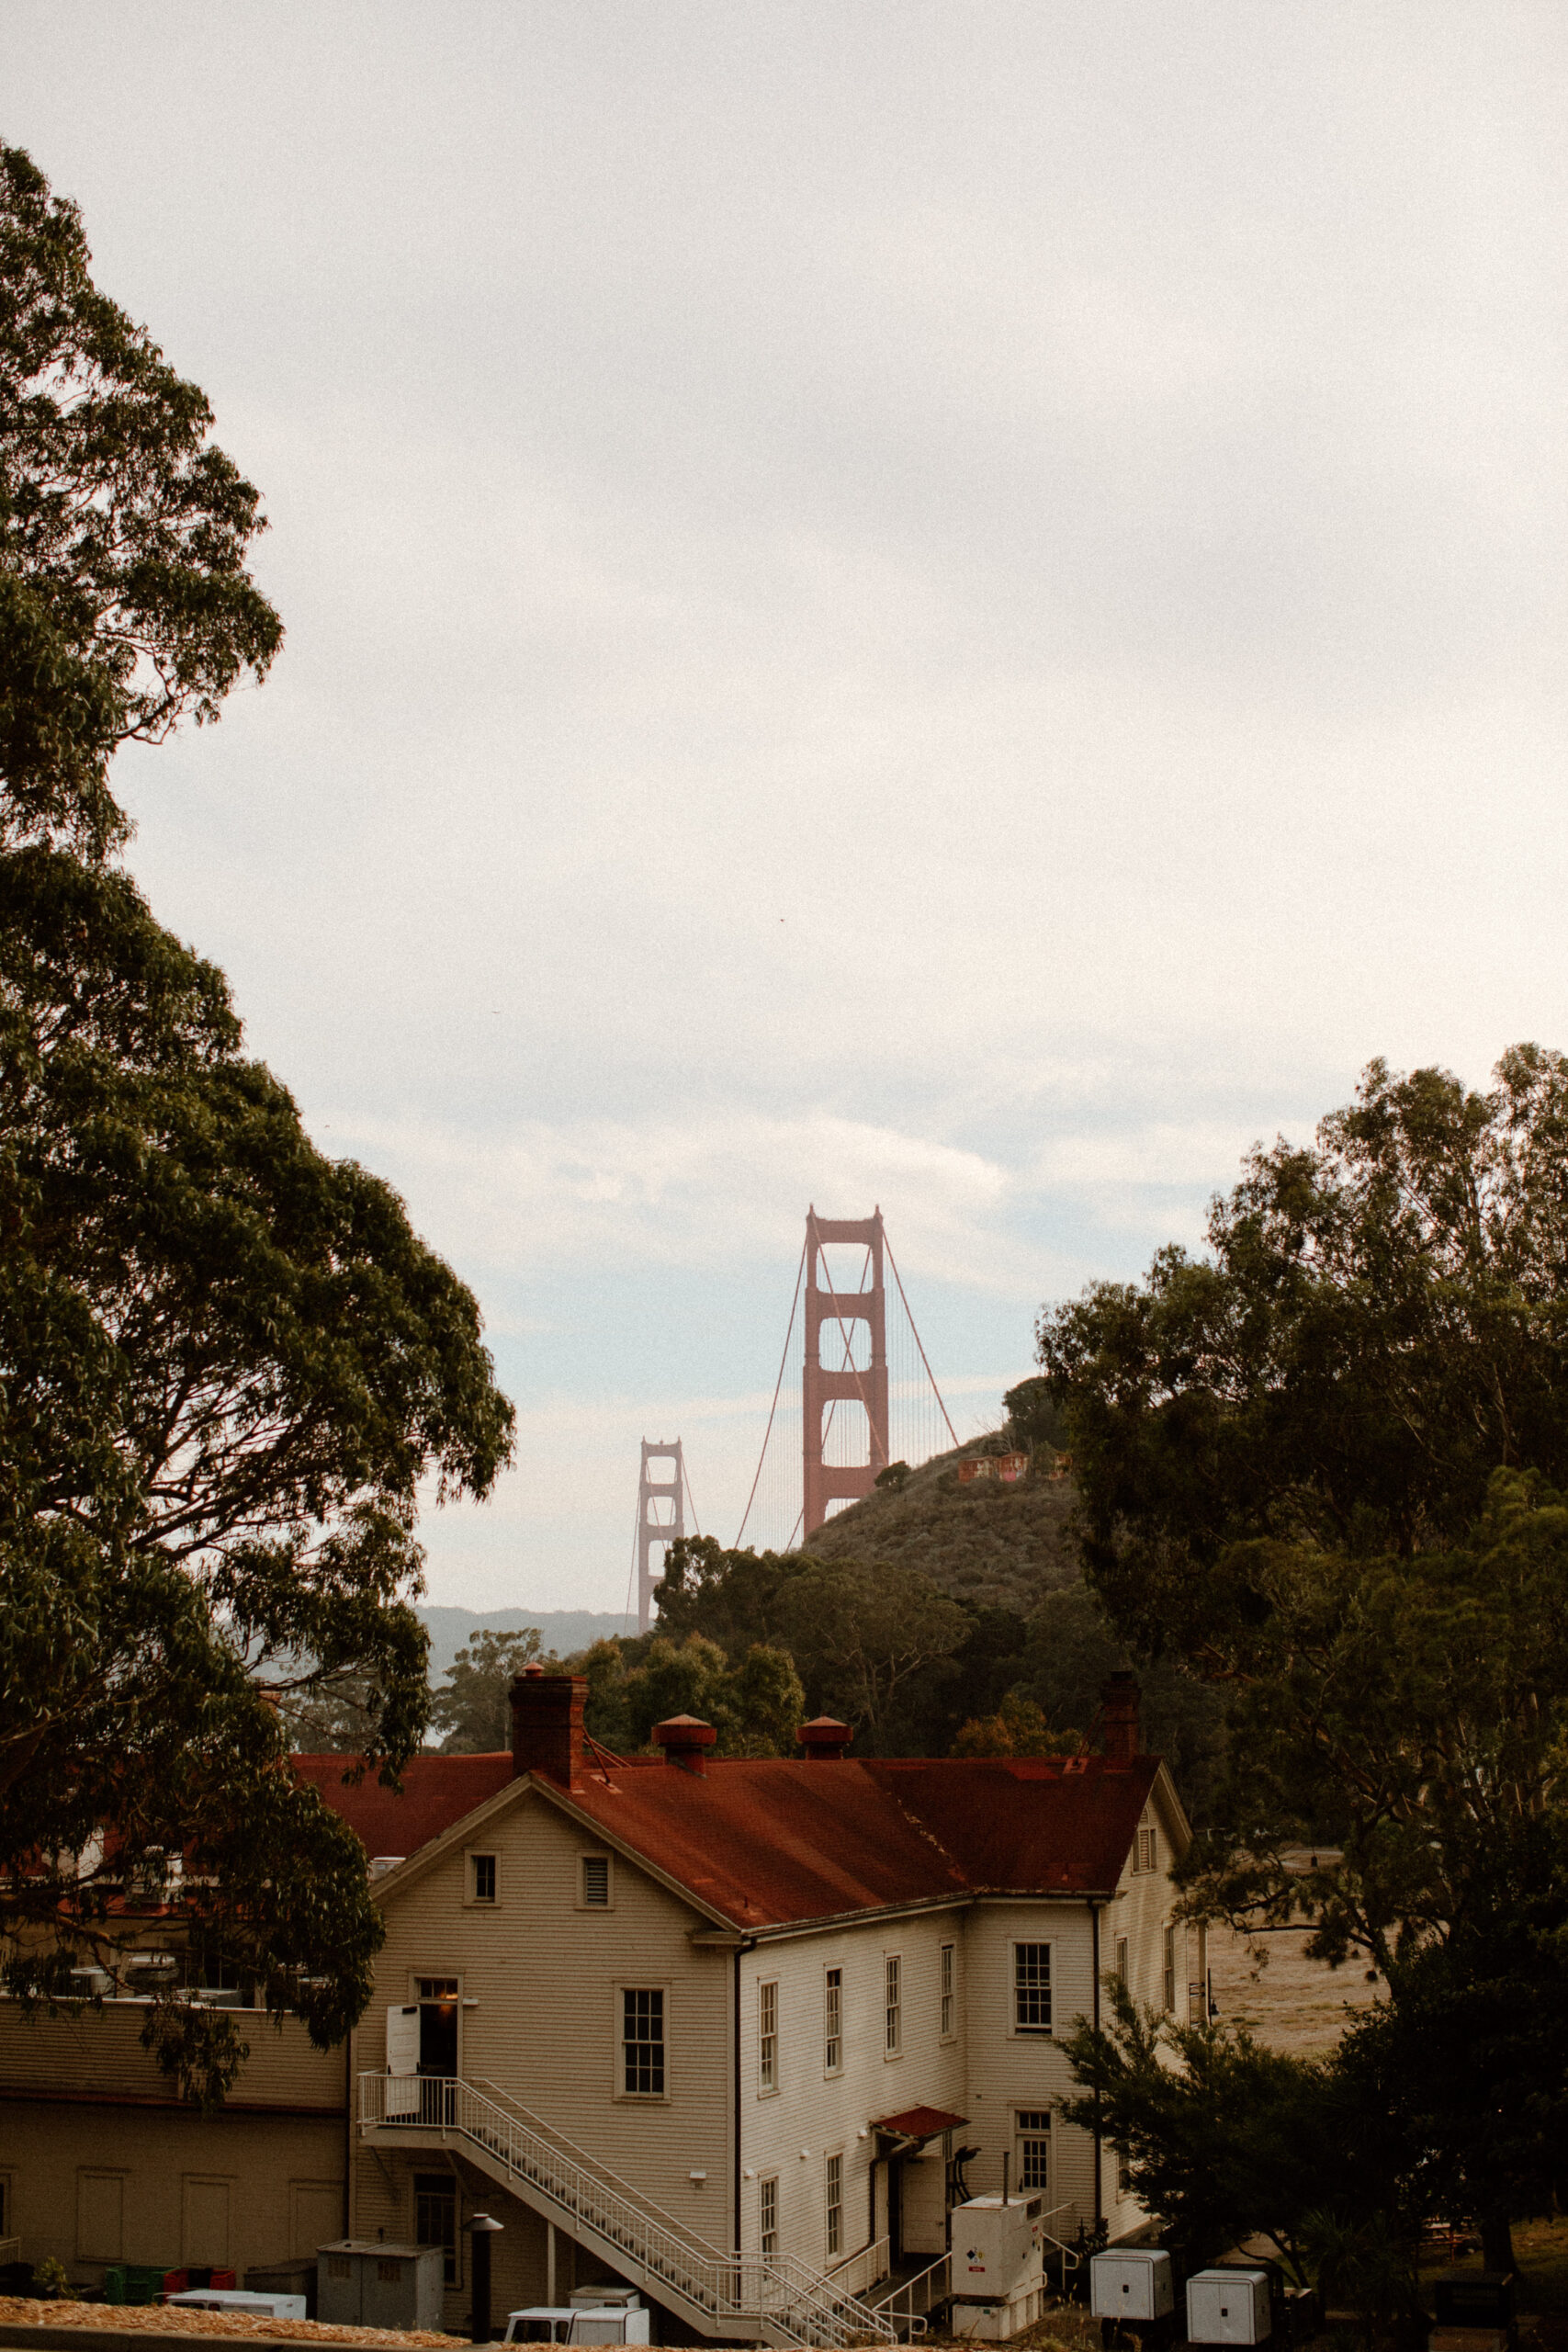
(546, 1724)
(1120, 1697)
(685, 1740)
(824, 1740)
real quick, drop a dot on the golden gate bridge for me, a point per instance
(855, 1394)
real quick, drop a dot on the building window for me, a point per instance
(1146, 1856)
(768, 2036)
(768, 2216)
(949, 2005)
(892, 2005)
(833, 2023)
(1121, 1961)
(1123, 2173)
(483, 1877)
(835, 2205)
(642, 2041)
(595, 1882)
(1034, 2129)
(1169, 1985)
(436, 2218)
(1031, 1988)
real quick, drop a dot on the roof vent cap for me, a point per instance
(685, 1739)
(824, 1739)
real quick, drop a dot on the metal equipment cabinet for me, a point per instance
(363, 2282)
(1130, 2282)
(1228, 2307)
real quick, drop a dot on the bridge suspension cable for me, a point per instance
(898, 1387)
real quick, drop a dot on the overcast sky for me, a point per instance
(958, 606)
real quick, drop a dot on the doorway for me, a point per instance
(437, 2024)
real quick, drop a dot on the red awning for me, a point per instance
(919, 2123)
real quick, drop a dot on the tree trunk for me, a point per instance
(1496, 2242)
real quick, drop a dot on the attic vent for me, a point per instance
(596, 1880)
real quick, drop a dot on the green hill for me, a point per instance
(996, 1546)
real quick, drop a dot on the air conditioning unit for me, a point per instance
(91, 1984)
(155, 1967)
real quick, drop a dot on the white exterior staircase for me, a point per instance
(772, 2300)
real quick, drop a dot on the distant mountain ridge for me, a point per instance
(561, 1629)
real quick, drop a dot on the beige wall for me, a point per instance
(103, 2163)
(544, 1975)
(107, 2183)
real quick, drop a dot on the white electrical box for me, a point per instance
(1130, 2282)
(997, 2248)
(1228, 2307)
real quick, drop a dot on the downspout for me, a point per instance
(349, 2087)
(1094, 1937)
(735, 2167)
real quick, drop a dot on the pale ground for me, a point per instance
(1288, 2002)
(158, 2319)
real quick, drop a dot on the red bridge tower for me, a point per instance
(824, 1386)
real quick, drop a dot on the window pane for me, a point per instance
(484, 1878)
(768, 2211)
(1032, 1987)
(768, 2036)
(643, 2040)
(436, 2218)
(833, 2054)
(892, 2022)
(835, 2203)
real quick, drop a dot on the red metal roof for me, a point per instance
(438, 1791)
(767, 1841)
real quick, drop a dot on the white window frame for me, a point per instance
(892, 2005)
(1167, 1980)
(768, 2216)
(833, 2019)
(947, 2000)
(1122, 1971)
(768, 2036)
(1027, 2126)
(641, 1985)
(473, 1900)
(1019, 1991)
(583, 1903)
(833, 2207)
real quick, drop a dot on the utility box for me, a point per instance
(997, 2267)
(365, 2282)
(1132, 2283)
(1228, 2307)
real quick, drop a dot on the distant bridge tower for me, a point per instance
(834, 1379)
(652, 1528)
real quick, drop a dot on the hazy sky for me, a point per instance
(959, 606)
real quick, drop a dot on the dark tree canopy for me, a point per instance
(1325, 1470)
(1383, 1322)
(228, 1366)
(125, 602)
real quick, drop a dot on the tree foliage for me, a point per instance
(863, 1636)
(228, 1366)
(1323, 1472)
(125, 602)
(470, 1706)
(1225, 2139)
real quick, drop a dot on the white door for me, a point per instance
(402, 2061)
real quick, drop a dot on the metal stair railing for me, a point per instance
(786, 2300)
(910, 2304)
